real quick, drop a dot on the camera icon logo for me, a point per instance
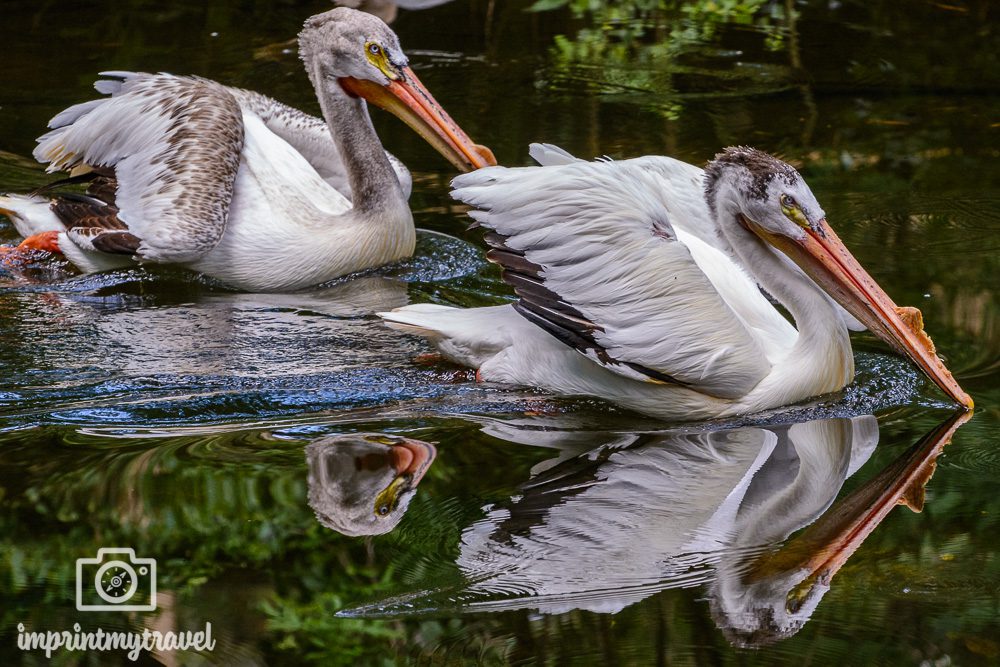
(115, 580)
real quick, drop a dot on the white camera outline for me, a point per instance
(127, 556)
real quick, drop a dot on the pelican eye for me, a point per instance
(799, 594)
(792, 210)
(378, 57)
(383, 510)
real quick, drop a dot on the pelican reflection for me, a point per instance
(642, 512)
(767, 597)
(362, 483)
(618, 517)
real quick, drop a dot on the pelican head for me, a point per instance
(769, 192)
(769, 198)
(362, 484)
(347, 51)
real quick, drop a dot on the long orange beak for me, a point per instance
(823, 256)
(412, 458)
(409, 100)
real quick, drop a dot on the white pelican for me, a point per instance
(638, 282)
(235, 185)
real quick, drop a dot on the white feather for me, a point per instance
(632, 248)
(603, 235)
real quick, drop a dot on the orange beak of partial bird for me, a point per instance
(407, 98)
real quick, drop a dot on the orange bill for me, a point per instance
(823, 256)
(408, 99)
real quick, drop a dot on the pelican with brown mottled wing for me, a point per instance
(235, 185)
(639, 282)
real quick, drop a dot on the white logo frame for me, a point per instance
(125, 558)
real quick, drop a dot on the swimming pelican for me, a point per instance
(235, 185)
(638, 282)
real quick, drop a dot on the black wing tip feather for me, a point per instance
(653, 374)
(117, 243)
(95, 218)
(498, 241)
(545, 308)
(512, 262)
(574, 337)
(539, 303)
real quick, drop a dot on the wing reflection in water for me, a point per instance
(239, 334)
(361, 484)
(602, 527)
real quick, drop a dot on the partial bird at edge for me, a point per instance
(235, 185)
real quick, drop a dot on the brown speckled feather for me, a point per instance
(83, 211)
(95, 223)
(174, 144)
(92, 220)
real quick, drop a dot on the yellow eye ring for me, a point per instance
(792, 211)
(378, 57)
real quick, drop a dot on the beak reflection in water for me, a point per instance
(362, 484)
(617, 517)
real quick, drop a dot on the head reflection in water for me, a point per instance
(362, 483)
(794, 486)
(618, 517)
(759, 599)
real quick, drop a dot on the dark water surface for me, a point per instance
(211, 430)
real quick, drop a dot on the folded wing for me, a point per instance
(174, 144)
(596, 261)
